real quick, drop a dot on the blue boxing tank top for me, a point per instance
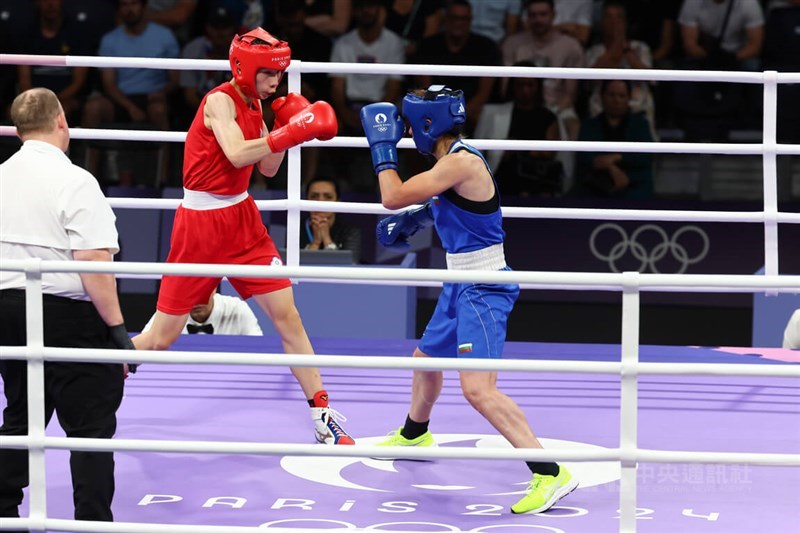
(464, 225)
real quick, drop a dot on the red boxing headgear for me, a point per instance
(247, 58)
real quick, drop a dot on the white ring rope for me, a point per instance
(403, 363)
(481, 144)
(324, 67)
(562, 280)
(444, 452)
(630, 283)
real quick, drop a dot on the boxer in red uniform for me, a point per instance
(218, 221)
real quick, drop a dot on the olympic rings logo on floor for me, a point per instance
(650, 256)
(380, 476)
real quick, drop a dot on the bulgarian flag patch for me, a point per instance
(464, 348)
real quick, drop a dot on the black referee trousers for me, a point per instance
(84, 396)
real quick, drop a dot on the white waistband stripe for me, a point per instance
(490, 258)
(203, 201)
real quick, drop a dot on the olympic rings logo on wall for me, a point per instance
(647, 254)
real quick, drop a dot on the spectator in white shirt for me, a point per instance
(574, 18)
(369, 42)
(702, 23)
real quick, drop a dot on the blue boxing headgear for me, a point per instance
(438, 111)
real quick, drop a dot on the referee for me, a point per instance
(51, 209)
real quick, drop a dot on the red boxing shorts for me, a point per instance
(229, 235)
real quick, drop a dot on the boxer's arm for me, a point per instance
(219, 114)
(269, 164)
(448, 172)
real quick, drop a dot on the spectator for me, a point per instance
(248, 14)
(307, 45)
(545, 46)
(214, 44)
(329, 17)
(779, 4)
(52, 34)
(413, 20)
(66, 218)
(655, 22)
(15, 18)
(222, 315)
(327, 231)
(457, 45)
(8, 81)
(791, 337)
(134, 94)
(781, 53)
(176, 15)
(522, 173)
(369, 42)
(574, 18)
(94, 18)
(614, 174)
(496, 19)
(138, 95)
(617, 51)
(723, 34)
(719, 35)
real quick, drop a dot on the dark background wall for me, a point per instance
(574, 322)
(713, 319)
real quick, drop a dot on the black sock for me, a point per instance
(545, 469)
(411, 430)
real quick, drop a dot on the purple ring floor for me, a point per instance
(262, 404)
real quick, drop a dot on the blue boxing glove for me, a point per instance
(394, 231)
(383, 127)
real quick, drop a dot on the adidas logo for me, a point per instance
(390, 227)
(461, 108)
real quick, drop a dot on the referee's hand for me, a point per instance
(122, 341)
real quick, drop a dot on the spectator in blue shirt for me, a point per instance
(134, 94)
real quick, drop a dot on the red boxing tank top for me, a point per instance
(205, 166)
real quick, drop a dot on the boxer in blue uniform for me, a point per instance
(459, 197)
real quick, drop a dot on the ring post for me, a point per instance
(770, 179)
(293, 178)
(629, 401)
(34, 318)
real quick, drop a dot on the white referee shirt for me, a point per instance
(230, 316)
(48, 208)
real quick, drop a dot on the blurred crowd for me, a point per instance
(744, 35)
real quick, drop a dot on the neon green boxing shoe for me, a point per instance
(544, 491)
(396, 439)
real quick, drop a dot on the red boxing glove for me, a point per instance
(286, 107)
(317, 121)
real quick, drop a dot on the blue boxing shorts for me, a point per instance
(470, 320)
